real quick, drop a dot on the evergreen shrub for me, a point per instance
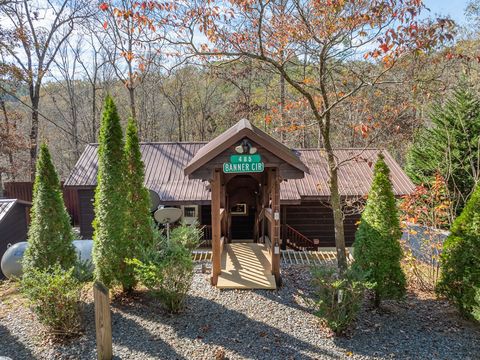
(54, 296)
(110, 244)
(337, 299)
(166, 268)
(50, 233)
(377, 249)
(139, 225)
(460, 259)
(451, 146)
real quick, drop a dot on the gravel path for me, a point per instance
(250, 325)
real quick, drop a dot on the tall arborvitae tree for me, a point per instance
(460, 260)
(377, 248)
(110, 247)
(50, 234)
(451, 146)
(138, 221)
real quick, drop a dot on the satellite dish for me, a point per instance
(167, 215)
(154, 200)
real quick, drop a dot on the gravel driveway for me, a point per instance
(251, 325)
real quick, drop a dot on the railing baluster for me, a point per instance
(298, 239)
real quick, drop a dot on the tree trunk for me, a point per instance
(131, 93)
(179, 120)
(337, 213)
(74, 112)
(34, 135)
(8, 150)
(282, 107)
(335, 201)
(94, 110)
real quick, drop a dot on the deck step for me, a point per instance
(246, 266)
(230, 281)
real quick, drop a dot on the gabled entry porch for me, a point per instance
(244, 167)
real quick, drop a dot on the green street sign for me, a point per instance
(243, 167)
(245, 158)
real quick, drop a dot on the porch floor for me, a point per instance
(246, 266)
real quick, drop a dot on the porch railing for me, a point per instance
(206, 241)
(296, 240)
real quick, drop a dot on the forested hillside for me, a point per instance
(177, 97)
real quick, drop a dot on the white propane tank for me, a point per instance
(12, 260)
(11, 263)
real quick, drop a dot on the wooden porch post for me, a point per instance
(275, 225)
(216, 226)
(264, 201)
(223, 205)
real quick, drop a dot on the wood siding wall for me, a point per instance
(13, 228)
(315, 220)
(24, 190)
(86, 212)
(312, 218)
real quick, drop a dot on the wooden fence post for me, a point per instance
(103, 321)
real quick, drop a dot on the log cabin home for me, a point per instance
(251, 194)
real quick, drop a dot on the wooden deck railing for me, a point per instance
(297, 240)
(206, 241)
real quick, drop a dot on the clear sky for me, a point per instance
(454, 8)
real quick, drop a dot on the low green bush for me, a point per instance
(476, 307)
(54, 297)
(166, 268)
(187, 235)
(177, 274)
(337, 300)
(84, 270)
(460, 260)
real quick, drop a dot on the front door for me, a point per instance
(242, 222)
(242, 192)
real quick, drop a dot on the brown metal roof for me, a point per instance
(237, 132)
(165, 163)
(7, 204)
(354, 174)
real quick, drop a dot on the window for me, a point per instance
(190, 211)
(239, 209)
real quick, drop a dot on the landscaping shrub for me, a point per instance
(54, 296)
(377, 248)
(84, 270)
(476, 307)
(50, 233)
(176, 274)
(187, 235)
(337, 300)
(460, 260)
(138, 220)
(166, 268)
(110, 245)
